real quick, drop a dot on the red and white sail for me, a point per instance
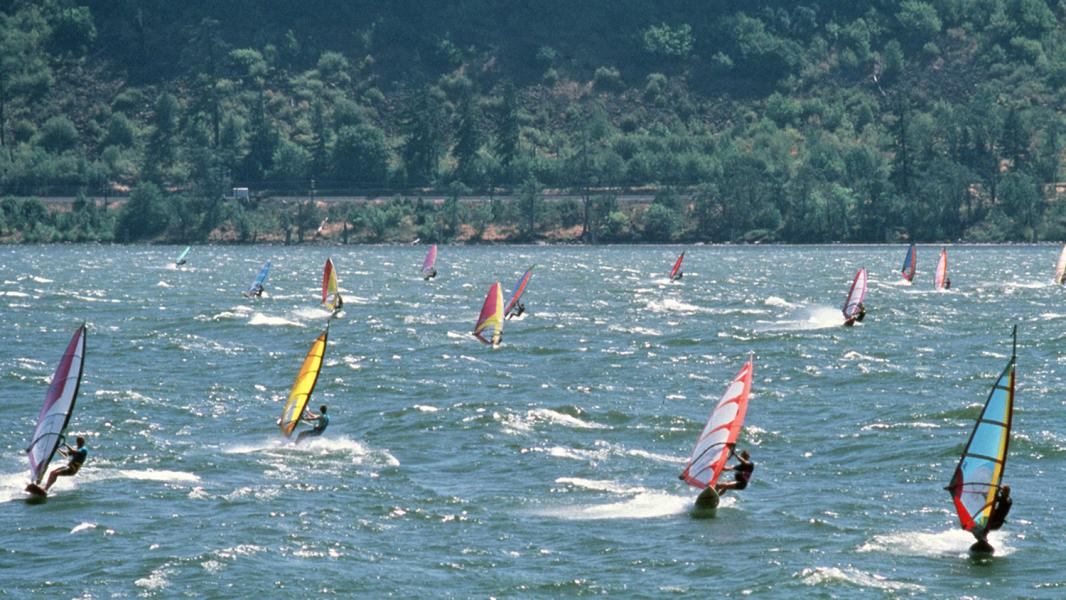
(720, 433)
(58, 406)
(941, 270)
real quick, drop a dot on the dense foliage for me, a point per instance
(789, 120)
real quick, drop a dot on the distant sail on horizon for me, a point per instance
(329, 285)
(909, 263)
(430, 262)
(181, 257)
(713, 446)
(856, 295)
(491, 317)
(941, 270)
(58, 406)
(978, 476)
(260, 279)
(1060, 267)
(677, 266)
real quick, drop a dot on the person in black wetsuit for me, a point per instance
(321, 422)
(1000, 507)
(77, 458)
(741, 472)
(947, 283)
(432, 273)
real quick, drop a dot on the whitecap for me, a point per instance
(853, 576)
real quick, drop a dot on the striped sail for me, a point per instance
(1060, 267)
(856, 295)
(519, 289)
(260, 279)
(941, 270)
(720, 433)
(329, 285)
(491, 319)
(304, 385)
(978, 475)
(677, 266)
(58, 406)
(909, 263)
(430, 261)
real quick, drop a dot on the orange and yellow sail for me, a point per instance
(491, 319)
(304, 385)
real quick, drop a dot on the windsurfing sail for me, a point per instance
(181, 257)
(677, 266)
(720, 433)
(1060, 268)
(941, 270)
(977, 478)
(519, 289)
(329, 285)
(260, 279)
(58, 406)
(304, 385)
(856, 295)
(431, 260)
(491, 316)
(909, 263)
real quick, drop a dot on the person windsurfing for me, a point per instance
(517, 311)
(1001, 505)
(77, 458)
(859, 316)
(430, 275)
(741, 472)
(321, 421)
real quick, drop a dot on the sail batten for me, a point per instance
(491, 318)
(712, 448)
(978, 476)
(304, 386)
(58, 406)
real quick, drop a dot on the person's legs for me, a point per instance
(56, 473)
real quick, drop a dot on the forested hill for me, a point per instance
(802, 120)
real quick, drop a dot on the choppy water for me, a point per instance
(547, 467)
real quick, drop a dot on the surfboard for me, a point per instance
(36, 491)
(706, 506)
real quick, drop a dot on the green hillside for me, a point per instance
(798, 121)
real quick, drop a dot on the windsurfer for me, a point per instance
(741, 472)
(859, 316)
(1000, 507)
(432, 273)
(678, 276)
(77, 459)
(947, 283)
(339, 305)
(321, 422)
(517, 312)
(258, 290)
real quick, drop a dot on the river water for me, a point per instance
(548, 466)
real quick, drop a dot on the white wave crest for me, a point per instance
(261, 319)
(853, 576)
(925, 543)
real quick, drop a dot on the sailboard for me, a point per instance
(715, 442)
(181, 257)
(1060, 267)
(428, 264)
(260, 279)
(941, 270)
(491, 317)
(55, 413)
(909, 263)
(675, 272)
(304, 385)
(330, 295)
(516, 293)
(978, 475)
(856, 295)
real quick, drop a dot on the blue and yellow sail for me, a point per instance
(979, 473)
